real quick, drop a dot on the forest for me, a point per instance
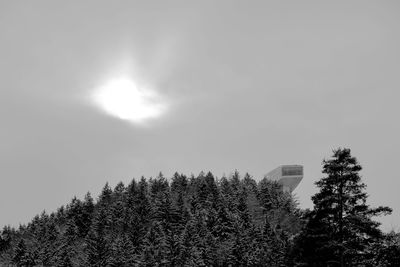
(208, 221)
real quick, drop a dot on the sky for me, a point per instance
(246, 85)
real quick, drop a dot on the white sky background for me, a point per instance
(251, 85)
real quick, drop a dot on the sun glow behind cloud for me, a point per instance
(123, 99)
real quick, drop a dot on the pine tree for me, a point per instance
(76, 213)
(47, 251)
(118, 209)
(141, 214)
(155, 249)
(179, 186)
(98, 247)
(87, 214)
(243, 210)
(5, 238)
(105, 197)
(20, 253)
(121, 253)
(206, 243)
(63, 257)
(341, 229)
(179, 183)
(190, 254)
(254, 207)
(65, 245)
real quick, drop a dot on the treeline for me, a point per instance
(195, 221)
(205, 221)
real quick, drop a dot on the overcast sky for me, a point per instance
(250, 85)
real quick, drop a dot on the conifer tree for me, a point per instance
(141, 214)
(179, 200)
(155, 249)
(46, 252)
(5, 238)
(20, 253)
(179, 183)
(243, 210)
(340, 229)
(80, 212)
(118, 209)
(255, 209)
(121, 253)
(98, 247)
(223, 227)
(64, 246)
(87, 214)
(190, 255)
(64, 259)
(105, 195)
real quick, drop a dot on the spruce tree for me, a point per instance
(5, 238)
(254, 207)
(64, 260)
(155, 248)
(118, 209)
(141, 214)
(97, 245)
(121, 253)
(20, 253)
(87, 214)
(340, 228)
(190, 255)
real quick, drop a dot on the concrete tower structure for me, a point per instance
(289, 176)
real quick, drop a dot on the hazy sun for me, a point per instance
(122, 98)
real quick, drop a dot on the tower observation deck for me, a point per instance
(289, 176)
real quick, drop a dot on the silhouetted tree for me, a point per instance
(340, 228)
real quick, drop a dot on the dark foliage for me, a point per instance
(204, 221)
(196, 221)
(340, 230)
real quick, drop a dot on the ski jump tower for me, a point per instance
(289, 176)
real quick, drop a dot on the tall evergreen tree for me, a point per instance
(255, 209)
(340, 228)
(87, 214)
(118, 209)
(190, 255)
(141, 215)
(155, 248)
(98, 246)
